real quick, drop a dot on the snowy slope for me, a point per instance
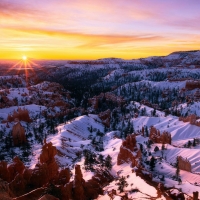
(71, 138)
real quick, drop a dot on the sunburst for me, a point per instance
(27, 65)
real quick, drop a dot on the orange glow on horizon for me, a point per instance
(88, 30)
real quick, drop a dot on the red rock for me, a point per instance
(156, 137)
(94, 186)
(4, 173)
(184, 164)
(64, 176)
(48, 153)
(18, 134)
(33, 195)
(5, 193)
(21, 114)
(18, 185)
(105, 117)
(48, 197)
(129, 152)
(79, 182)
(47, 157)
(17, 167)
(66, 191)
(40, 175)
(195, 195)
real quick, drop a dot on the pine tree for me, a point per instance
(101, 160)
(189, 144)
(194, 142)
(122, 184)
(146, 131)
(141, 147)
(108, 162)
(156, 149)
(152, 163)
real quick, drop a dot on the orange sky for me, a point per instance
(62, 29)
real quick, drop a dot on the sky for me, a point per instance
(93, 29)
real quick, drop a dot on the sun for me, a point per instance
(24, 58)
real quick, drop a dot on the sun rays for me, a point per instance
(25, 66)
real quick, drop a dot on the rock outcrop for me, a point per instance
(129, 152)
(48, 197)
(156, 137)
(33, 183)
(192, 119)
(47, 157)
(184, 164)
(21, 114)
(33, 195)
(191, 85)
(79, 183)
(5, 193)
(16, 167)
(195, 195)
(18, 134)
(105, 117)
(4, 173)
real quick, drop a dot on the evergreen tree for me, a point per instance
(141, 147)
(101, 160)
(156, 149)
(152, 163)
(108, 162)
(194, 142)
(146, 131)
(122, 184)
(189, 144)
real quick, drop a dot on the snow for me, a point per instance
(71, 138)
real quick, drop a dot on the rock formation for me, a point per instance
(21, 114)
(79, 182)
(184, 164)
(156, 137)
(4, 173)
(18, 134)
(105, 117)
(39, 175)
(5, 193)
(17, 167)
(47, 157)
(195, 195)
(106, 98)
(129, 152)
(31, 183)
(64, 176)
(191, 85)
(192, 119)
(33, 195)
(48, 197)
